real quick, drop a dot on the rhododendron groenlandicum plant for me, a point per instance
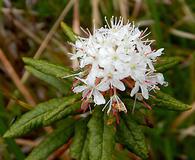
(113, 58)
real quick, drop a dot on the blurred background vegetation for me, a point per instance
(30, 28)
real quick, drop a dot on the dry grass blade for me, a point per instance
(187, 11)
(95, 12)
(124, 9)
(137, 7)
(76, 28)
(182, 117)
(182, 34)
(25, 142)
(25, 30)
(45, 42)
(35, 38)
(13, 75)
(76, 19)
(49, 36)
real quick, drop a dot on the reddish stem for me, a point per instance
(147, 105)
(115, 113)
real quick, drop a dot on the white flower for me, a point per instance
(116, 57)
(150, 83)
(111, 79)
(89, 89)
(143, 87)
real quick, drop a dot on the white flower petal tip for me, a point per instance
(115, 58)
(79, 89)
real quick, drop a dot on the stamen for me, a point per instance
(84, 31)
(72, 75)
(106, 104)
(107, 22)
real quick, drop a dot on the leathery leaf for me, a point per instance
(61, 85)
(47, 67)
(166, 101)
(101, 136)
(68, 31)
(130, 134)
(77, 148)
(53, 141)
(38, 116)
(166, 63)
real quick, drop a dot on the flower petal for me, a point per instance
(98, 97)
(118, 84)
(156, 54)
(79, 89)
(103, 86)
(135, 89)
(144, 91)
(160, 78)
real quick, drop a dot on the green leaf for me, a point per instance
(68, 31)
(139, 114)
(166, 63)
(101, 136)
(61, 111)
(39, 116)
(47, 68)
(77, 147)
(11, 144)
(130, 134)
(165, 101)
(53, 141)
(61, 85)
(85, 151)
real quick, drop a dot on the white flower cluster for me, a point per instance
(116, 57)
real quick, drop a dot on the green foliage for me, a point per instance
(11, 145)
(85, 150)
(93, 140)
(78, 148)
(165, 101)
(47, 68)
(68, 31)
(53, 141)
(61, 112)
(101, 136)
(40, 115)
(166, 63)
(94, 136)
(131, 135)
(59, 84)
